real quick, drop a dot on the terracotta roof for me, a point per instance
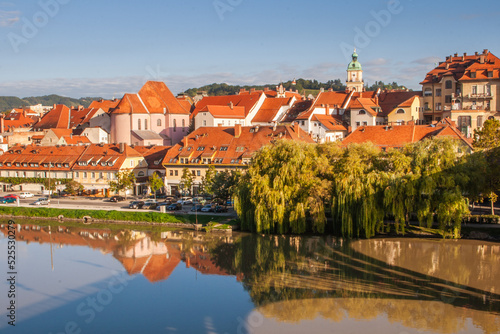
(76, 140)
(62, 132)
(154, 155)
(326, 99)
(330, 122)
(367, 104)
(57, 118)
(105, 105)
(270, 108)
(297, 109)
(228, 148)
(62, 157)
(16, 120)
(225, 111)
(389, 101)
(460, 68)
(400, 135)
(248, 101)
(104, 157)
(153, 98)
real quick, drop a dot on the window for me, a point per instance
(141, 173)
(131, 163)
(204, 123)
(362, 112)
(490, 74)
(464, 121)
(101, 175)
(426, 106)
(198, 173)
(171, 172)
(447, 99)
(84, 175)
(77, 174)
(473, 75)
(479, 121)
(109, 176)
(158, 122)
(303, 122)
(145, 124)
(438, 92)
(438, 106)
(92, 175)
(176, 173)
(474, 90)
(175, 125)
(224, 148)
(487, 90)
(428, 92)
(448, 84)
(400, 111)
(193, 172)
(138, 124)
(200, 148)
(365, 123)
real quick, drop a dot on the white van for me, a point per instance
(25, 195)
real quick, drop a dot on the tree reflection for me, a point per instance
(297, 278)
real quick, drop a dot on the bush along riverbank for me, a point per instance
(104, 216)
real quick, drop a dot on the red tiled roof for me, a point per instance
(153, 98)
(104, 157)
(57, 118)
(460, 68)
(297, 109)
(210, 140)
(270, 108)
(388, 101)
(105, 105)
(62, 132)
(400, 135)
(367, 104)
(76, 140)
(16, 120)
(248, 101)
(154, 155)
(330, 122)
(41, 155)
(225, 111)
(330, 99)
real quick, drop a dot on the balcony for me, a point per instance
(479, 96)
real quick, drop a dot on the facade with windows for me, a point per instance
(465, 89)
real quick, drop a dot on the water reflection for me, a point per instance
(438, 286)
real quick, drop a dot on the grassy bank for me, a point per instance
(134, 216)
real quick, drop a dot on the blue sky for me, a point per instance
(107, 48)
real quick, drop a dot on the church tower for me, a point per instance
(355, 75)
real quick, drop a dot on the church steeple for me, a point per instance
(355, 74)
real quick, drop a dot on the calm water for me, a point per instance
(76, 280)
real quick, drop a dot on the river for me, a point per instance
(88, 280)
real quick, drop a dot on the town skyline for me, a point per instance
(67, 48)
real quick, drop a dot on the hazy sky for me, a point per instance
(106, 48)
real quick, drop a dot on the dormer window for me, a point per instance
(224, 148)
(362, 112)
(490, 74)
(473, 75)
(201, 148)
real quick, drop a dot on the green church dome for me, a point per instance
(354, 65)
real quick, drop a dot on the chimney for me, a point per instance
(122, 147)
(54, 106)
(185, 141)
(485, 51)
(252, 90)
(482, 58)
(465, 55)
(327, 110)
(476, 53)
(237, 131)
(322, 90)
(2, 124)
(231, 105)
(456, 55)
(24, 113)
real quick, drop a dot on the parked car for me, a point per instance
(42, 201)
(174, 206)
(136, 205)
(5, 200)
(117, 198)
(12, 195)
(26, 195)
(197, 207)
(207, 208)
(185, 200)
(220, 208)
(150, 204)
(164, 204)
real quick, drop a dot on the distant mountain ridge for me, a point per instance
(8, 103)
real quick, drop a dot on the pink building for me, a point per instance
(152, 116)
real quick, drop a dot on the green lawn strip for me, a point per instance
(135, 216)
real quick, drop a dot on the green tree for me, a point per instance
(73, 187)
(488, 136)
(155, 182)
(125, 180)
(208, 180)
(187, 180)
(224, 183)
(486, 139)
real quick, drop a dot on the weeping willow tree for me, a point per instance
(282, 190)
(357, 209)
